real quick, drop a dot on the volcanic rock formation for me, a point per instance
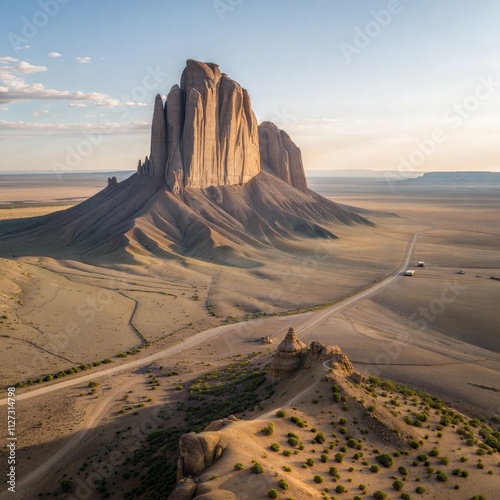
(206, 133)
(200, 193)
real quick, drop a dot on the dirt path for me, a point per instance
(25, 486)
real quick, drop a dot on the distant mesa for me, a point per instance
(457, 178)
(215, 186)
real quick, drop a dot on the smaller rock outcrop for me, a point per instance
(358, 378)
(322, 352)
(280, 155)
(112, 181)
(197, 453)
(288, 358)
(184, 490)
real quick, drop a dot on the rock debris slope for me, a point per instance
(214, 186)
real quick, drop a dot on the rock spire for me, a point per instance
(288, 357)
(206, 134)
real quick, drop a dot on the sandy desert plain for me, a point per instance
(148, 343)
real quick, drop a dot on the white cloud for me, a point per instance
(83, 60)
(26, 67)
(14, 88)
(22, 47)
(4, 109)
(36, 114)
(77, 105)
(113, 103)
(54, 54)
(8, 59)
(106, 128)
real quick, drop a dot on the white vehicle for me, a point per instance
(409, 272)
(421, 263)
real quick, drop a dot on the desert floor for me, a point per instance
(437, 330)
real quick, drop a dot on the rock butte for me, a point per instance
(215, 186)
(206, 134)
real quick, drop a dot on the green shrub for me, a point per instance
(434, 452)
(256, 468)
(405, 496)
(268, 430)
(283, 484)
(375, 468)
(280, 414)
(293, 441)
(420, 489)
(324, 458)
(238, 466)
(385, 459)
(340, 488)
(339, 457)
(380, 495)
(66, 485)
(403, 470)
(310, 462)
(333, 471)
(273, 493)
(397, 485)
(320, 438)
(441, 477)
(275, 447)
(318, 479)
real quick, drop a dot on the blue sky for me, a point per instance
(358, 84)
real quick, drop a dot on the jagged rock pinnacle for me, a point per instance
(280, 155)
(206, 134)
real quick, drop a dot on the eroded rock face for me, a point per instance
(198, 452)
(206, 134)
(288, 358)
(184, 490)
(281, 156)
(322, 352)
